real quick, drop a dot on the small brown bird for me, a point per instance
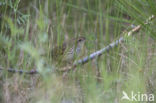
(68, 51)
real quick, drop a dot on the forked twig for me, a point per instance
(91, 56)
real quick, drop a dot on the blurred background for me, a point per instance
(29, 29)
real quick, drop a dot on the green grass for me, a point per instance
(30, 29)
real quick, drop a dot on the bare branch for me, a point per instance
(91, 56)
(18, 71)
(107, 48)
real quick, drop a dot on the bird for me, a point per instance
(68, 51)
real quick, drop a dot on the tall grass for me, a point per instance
(30, 29)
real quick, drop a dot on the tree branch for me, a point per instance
(91, 56)
(107, 48)
(19, 71)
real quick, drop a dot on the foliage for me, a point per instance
(30, 29)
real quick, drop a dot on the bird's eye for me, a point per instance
(80, 40)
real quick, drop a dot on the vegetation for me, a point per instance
(29, 29)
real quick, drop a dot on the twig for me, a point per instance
(91, 56)
(19, 71)
(107, 48)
